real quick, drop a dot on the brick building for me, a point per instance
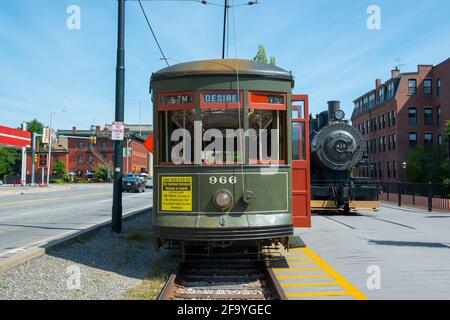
(409, 109)
(81, 155)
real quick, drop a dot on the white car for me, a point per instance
(149, 183)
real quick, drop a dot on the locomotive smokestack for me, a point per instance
(333, 106)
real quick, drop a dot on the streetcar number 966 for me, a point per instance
(223, 180)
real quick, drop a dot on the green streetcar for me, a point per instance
(214, 181)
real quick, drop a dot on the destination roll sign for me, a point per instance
(176, 99)
(221, 98)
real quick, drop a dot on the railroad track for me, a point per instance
(222, 280)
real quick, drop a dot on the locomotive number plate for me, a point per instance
(176, 194)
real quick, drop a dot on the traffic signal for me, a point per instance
(93, 140)
(35, 158)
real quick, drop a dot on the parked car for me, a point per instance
(149, 183)
(133, 184)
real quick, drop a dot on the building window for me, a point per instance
(381, 94)
(389, 119)
(439, 139)
(383, 117)
(438, 87)
(90, 159)
(412, 116)
(380, 172)
(428, 139)
(412, 86)
(394, 169)
(80, 146)
(375, 171)
(389, 142)
(80, 159)
(428, 86)
(372, 100)
(412, 139)
(374, 124)
(428, 116)
(389, 168)
(390, 90)
(104, 146)
(439, 116)
(394, 141)
(384, 144)
(367, 147)
(394, 117)
(380, 145)
(380, 122)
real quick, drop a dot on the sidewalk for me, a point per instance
(10, 190)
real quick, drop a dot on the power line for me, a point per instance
(153, 33)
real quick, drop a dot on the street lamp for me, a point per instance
(50, 134)
(404, 166)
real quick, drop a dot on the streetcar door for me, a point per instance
(301, 181)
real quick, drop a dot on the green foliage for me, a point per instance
(34, 126)
(101, 172)
(273, 61)
(427, 164)
(9, 161)
(59, 167)
(261, 56)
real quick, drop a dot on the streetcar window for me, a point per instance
(223, 131)
(268, 143)
(298, 141)
(169, 121)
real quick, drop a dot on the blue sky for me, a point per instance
(326, 44)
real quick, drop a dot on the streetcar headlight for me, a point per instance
(223, 199)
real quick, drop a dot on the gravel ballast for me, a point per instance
(109, 266)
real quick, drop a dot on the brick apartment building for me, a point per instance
(81, 156)
(409, 109)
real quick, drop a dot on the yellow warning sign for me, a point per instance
(176, 194)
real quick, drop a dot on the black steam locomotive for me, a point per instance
(336, 149)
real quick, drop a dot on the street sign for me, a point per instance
(149, 144)
(46, 136)
(43, 160)
(118, 131)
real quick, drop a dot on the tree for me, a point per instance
(427, 164)
(273, 61)
(9, 161)
(261, 55)
(34, 126)
(101, 172)
(59, 167)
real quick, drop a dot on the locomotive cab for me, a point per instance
(223, 153)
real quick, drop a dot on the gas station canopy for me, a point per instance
(15, 138)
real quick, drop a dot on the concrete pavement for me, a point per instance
(396, 253)
(31, 220)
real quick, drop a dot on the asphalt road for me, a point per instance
(395, 253)
(34, 219)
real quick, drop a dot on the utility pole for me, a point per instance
(224, 28)
(33, 156)
(23, 177)
(120, 101)
(50, 138)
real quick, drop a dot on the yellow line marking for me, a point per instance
(311, 276)
(339, 279)
(53, 199)
(311, 284)
(295, 269)
(318, 294)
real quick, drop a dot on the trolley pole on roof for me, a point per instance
(224, 28)
(120, 101)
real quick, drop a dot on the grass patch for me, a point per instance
(136, 235)
(151, 287)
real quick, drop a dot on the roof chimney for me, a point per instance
(74, 130)
(97, 129)
(378, 83)
(395, 73)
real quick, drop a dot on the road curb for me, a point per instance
(33, 253)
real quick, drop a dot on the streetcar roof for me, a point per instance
(221, 67)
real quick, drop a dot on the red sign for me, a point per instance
(149, 144)
(43, 161)
(10, 137)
